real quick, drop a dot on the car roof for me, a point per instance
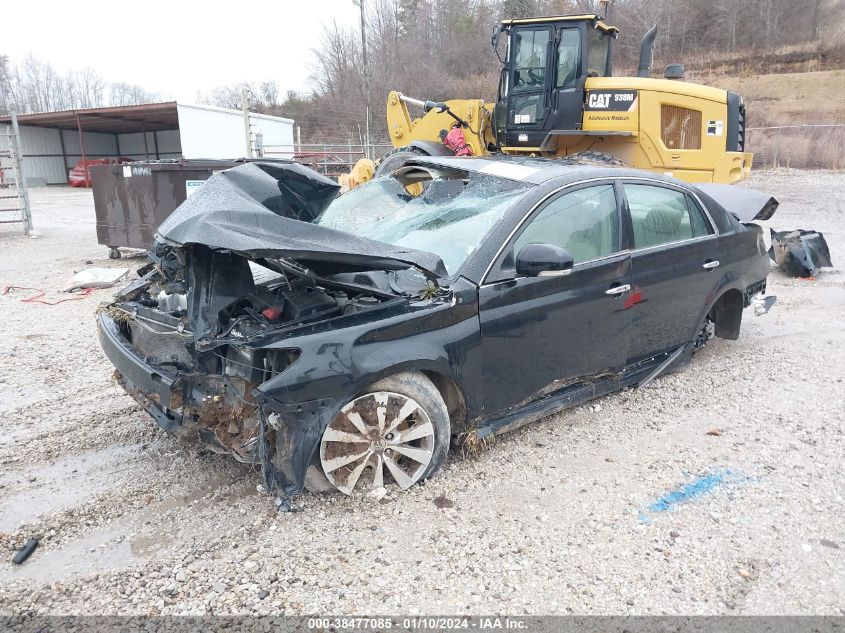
(537, 171)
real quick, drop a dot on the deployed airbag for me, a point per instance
(746, 205)
(268, 210)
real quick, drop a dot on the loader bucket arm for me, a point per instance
(431, 124)
(400, 126)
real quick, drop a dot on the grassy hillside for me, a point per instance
(793, 99)
(790, 98)
(799, 58)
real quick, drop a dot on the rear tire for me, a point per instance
(704, 336)
(393, 160)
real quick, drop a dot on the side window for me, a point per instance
(697, 222)
(584, 222)
(568, 58)
(530, 58)
(660, 215)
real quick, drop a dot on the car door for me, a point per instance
(676, 257)
(537, 333)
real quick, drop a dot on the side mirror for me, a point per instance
(495, 39)
(497, 33)
(543, 260)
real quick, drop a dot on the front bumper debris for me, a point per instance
(155, 389)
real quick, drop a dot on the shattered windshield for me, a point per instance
(446, 216)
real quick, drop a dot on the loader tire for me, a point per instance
(597, 158)
(393, 159)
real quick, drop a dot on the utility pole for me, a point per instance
(247, 130)
(360, 4)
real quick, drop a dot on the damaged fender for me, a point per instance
(428, 337)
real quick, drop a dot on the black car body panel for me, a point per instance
(251, 334)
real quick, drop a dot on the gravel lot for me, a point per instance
(564, 516)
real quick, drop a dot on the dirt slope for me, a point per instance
(790, 98)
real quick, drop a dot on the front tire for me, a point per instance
(393, 160)
(398, 430)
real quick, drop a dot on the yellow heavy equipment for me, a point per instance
(557, 97)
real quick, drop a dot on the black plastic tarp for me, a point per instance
(746, 205)
(799, 253)
(266, 210)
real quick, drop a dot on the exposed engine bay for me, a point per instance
(210, 317)
(247, 300)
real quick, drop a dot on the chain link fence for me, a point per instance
(329, 159)
(813, 146)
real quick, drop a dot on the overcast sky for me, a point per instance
(175, 47)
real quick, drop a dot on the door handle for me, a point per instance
(710, 264)
(618, 290)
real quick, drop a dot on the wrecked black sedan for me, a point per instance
(348, 341)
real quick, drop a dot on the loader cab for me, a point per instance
(545, 66)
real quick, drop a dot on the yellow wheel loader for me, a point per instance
(557, 97)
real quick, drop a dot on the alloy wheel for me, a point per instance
(380, 432)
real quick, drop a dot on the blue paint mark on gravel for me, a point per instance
(692, 491)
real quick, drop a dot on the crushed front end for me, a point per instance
(243, 283)
(200, 331)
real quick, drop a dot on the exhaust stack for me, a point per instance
(646, 52)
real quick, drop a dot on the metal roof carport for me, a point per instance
(53, 142)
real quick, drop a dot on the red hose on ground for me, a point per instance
(36, 298)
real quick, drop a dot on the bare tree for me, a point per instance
(33, 85)
(87, 88)
(268, 94)
(225, 96)
(122, 94)
(7, 98)
(38, 85)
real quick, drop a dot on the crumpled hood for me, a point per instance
(265, 209)
(746, 205)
